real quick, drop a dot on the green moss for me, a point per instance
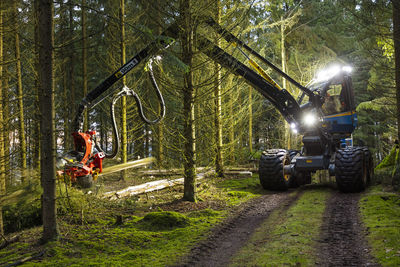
(241, 189)
(250, 184)
(238, 194)
(90, 237)
(135, 243)
(287, 237)
(381, 215)
(166, 219)
(205, 213)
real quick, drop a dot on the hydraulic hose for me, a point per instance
(129, 92)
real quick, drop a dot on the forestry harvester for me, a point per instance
(324, 114)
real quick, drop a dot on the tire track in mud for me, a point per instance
(227, 238)
(342, 241)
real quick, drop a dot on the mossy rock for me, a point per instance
(166, 219)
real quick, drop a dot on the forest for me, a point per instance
(155, 94)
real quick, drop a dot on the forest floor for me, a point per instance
(234, 223)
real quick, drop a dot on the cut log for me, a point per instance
(239, 173)
(149, 187)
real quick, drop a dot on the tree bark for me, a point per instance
(124, 134)
(21, 125)
(188, 103)
(6, 127)
(396, 40)
(36, 136)
(284, 82)
(219, 162)
(250, 120)
(46, 104)
(84, 64)
(2, 154)
(71, 72)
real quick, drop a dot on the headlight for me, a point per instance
(309, 119)
(293, 126)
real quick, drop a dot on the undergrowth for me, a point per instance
(381, 215)
(135, 231)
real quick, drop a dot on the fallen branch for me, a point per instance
(26, 259)
(149, 187)
(239, 173)
(8, 241)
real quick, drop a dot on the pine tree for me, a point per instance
(46, 102)
(186, 39)
(2, 152)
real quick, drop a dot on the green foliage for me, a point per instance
(24, 212)
(381, 216)
(389, 160)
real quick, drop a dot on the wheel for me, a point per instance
(351, 169)
(370, 164)
(85, 181)
(294, 181)
(271, 172)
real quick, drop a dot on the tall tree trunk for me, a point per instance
(84, 63)
(396, 40)
(219, 162)
(46, 100)
(6, 127)
(160, 154)
(124, 134)
(36, 137)
(2, 154)
(146, 141)
(250, 120)
(71, 73)
(21, 128)
(284, 82)
(160, 126)
(231, 132)
(65, 69)
(188, 103)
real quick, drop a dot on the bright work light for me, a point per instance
(309, 119)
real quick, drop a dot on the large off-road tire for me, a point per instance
(271, 169)
(351, 169)
(295, 181)
(85, 181)
(370, 164)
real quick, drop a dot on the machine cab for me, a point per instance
(338, 105)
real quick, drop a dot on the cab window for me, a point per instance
(334, 100)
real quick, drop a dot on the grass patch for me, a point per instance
(287, 236)
(381, 215)
(140, 241)
(148, 235)
(165, 220)
(240, 190)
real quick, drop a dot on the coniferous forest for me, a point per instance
(145, 133)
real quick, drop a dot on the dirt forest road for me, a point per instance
(341, 242)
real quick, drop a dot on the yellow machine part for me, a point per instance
(258, 68)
